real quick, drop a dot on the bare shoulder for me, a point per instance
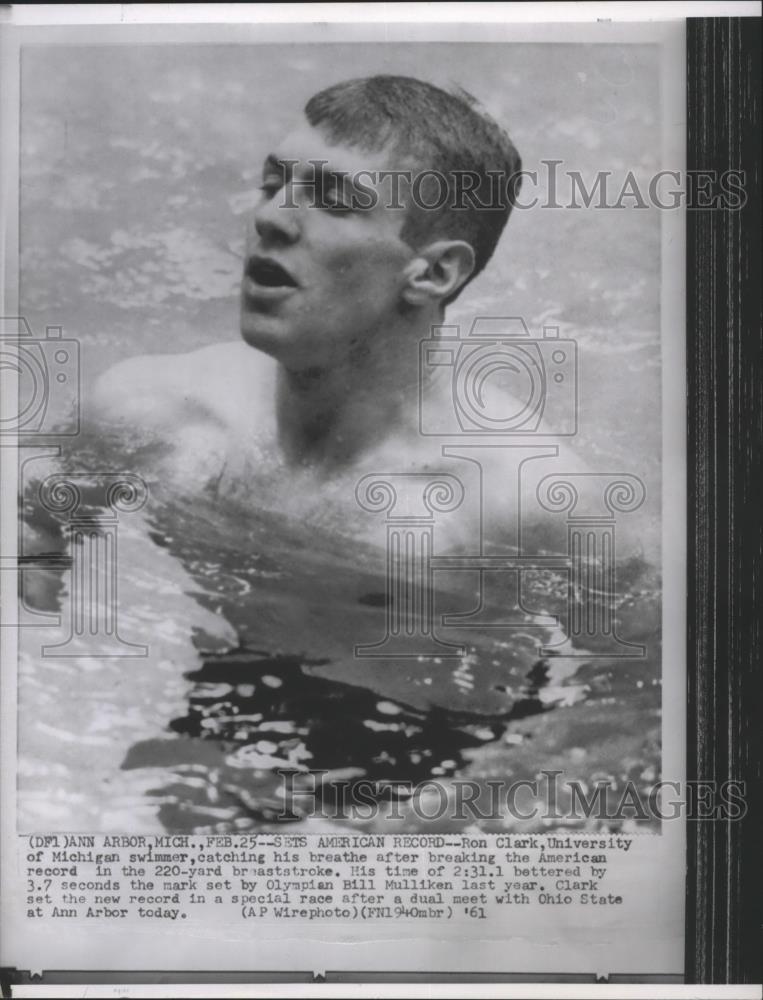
(224, 385)
(205, 410)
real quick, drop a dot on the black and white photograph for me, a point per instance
(347, 432)
(394, 521)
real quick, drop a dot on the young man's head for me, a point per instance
(376, 211)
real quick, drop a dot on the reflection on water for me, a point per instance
(251, 620)
(265, 716)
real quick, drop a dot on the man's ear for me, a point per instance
(438, 271)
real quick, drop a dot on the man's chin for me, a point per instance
(264, 333)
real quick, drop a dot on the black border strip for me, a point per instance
(725, 541)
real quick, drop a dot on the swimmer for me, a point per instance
(345, 272)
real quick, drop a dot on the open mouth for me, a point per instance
(268, 273)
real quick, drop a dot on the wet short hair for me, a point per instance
(431, 130)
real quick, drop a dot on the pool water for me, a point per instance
(250, 683)
(138, 167)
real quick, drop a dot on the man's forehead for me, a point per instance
(306, 144)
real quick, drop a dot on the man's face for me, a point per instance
(321, 276)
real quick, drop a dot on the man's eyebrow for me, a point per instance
(274, 162)
(320, 170)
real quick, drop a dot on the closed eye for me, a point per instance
(270, 185)
(330, 196)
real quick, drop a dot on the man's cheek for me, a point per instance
(349, 266)
(367, 256)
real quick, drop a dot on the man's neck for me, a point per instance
(328, 417)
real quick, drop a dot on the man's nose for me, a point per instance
(277, 219)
